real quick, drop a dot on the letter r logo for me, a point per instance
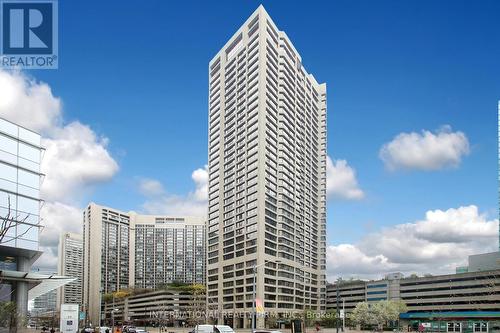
(27, 27)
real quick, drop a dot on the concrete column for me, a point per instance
(23, 265)
(244, 324)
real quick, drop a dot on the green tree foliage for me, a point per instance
(377, 314)
(8, 313)
(329, 319)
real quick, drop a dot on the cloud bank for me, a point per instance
(75, 160)
(426, 150)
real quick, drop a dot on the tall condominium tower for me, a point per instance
(123, 250)
(70, 264)
(267, 182)
(106, 256)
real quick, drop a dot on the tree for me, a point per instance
(361, 315)
(329, 319)
(377, 314)
(9, 317)
(7, 314)
(198, 291)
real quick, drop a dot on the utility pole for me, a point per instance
(343, 315)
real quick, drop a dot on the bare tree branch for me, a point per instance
(9, 222)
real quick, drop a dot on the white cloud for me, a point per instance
(150, 187)
(28, 102)
(341, 181)
(76, 158)
(426, 150)
(437, 244)
(159, 201)
(57, 218)
(200, 178)
(349, 258)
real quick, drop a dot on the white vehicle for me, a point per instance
(103, 329)
(212, 329)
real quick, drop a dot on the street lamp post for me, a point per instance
(337, 307)
(343, 315)
(113, 320)
(255, 291)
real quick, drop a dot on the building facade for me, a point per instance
(169, 249)
(484, 262)
(455, 302)
(267, 176)
(45, 305)
(20, 178)
(123, 250)
(106, 260)
(70, 264)
(169, 307)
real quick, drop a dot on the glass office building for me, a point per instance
(20, 156)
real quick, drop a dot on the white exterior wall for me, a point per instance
(267, 175)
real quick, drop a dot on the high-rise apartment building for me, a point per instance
(45, 305)
(70, 264)
(20, 178)
(106, 256)
(169, 249)
(123, 250)
(267, 182)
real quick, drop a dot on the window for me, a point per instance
(26, 205)
(8, 172)
(29, 152)
(29, 179)
(481, 327)
(7, 144)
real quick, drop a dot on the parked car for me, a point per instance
(131, 329)
(103, 329)
(212, 329)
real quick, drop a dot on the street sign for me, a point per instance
(342, 314)
(69, 318)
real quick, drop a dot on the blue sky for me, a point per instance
(136, 73)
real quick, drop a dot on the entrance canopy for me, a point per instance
(40, 284)
(450, 314)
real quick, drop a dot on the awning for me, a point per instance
(450, 314)
(40, 284)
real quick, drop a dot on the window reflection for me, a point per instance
(29, 152)
(7, 144)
